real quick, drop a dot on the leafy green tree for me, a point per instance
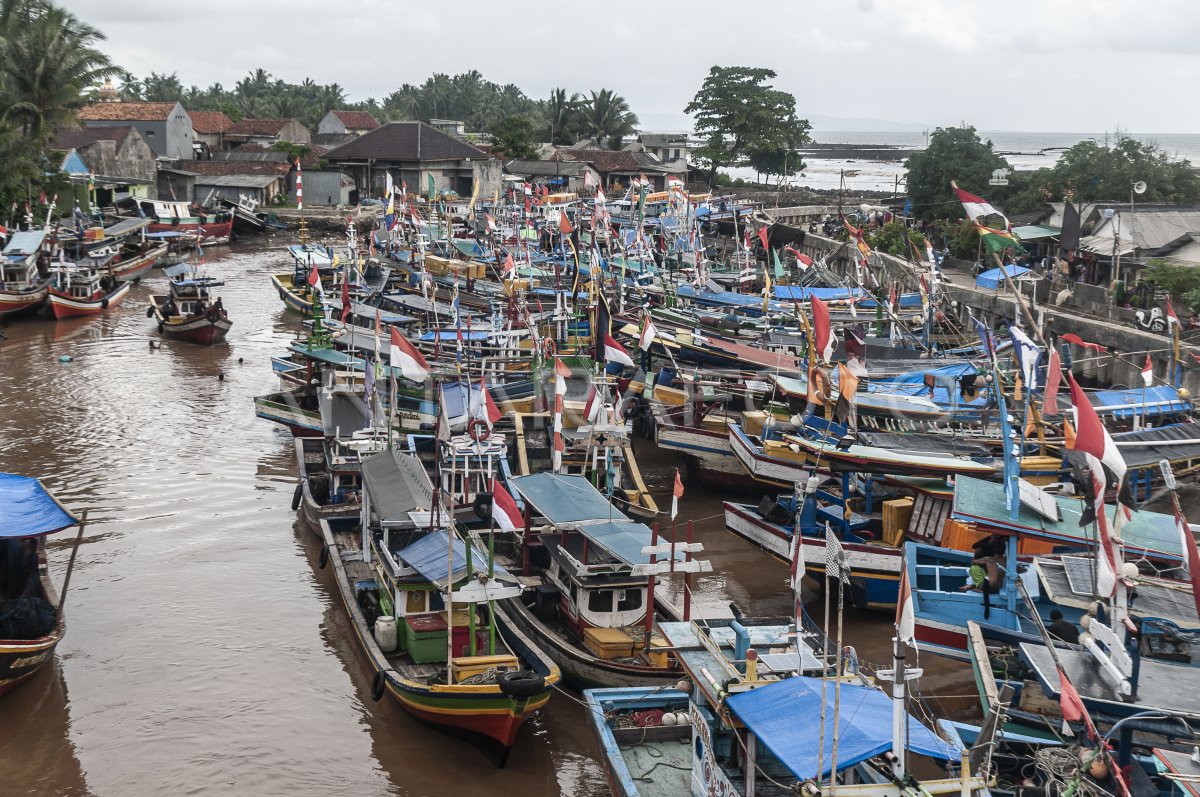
(162, 88)
(894, 238)
(49, 62)
(954, 153)
(737, 112)
(513, 137)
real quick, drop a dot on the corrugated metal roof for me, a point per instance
(396, 484)
(1033, 232)
(239, 180)
(1174, 439)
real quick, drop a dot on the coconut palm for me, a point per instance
(48, 62)
(562, 114)
(606, 117)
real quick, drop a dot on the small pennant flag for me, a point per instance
(564, 224)
(1075, 340)
(1148, 371)
(906, 622)
(1172, 319)
(822, 333)
(406, 357)
(1053, 379)
(486, 409)
(649, 333)
(562, 373)
(314, 277)
(676, 494)
(594, 405)
(504, 508)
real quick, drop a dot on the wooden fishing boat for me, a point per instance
(81, 289)
(133, 262)
(297, 409)
(22, 287)
(205, 227)
(767, 457)
(455, 660)
(592, 611)
(31, 616)
(295, 293)
(323, 493)
(188, 311)
(842, 455)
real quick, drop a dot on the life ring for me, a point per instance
(323, 559)
(521, 683)
(482, 506)
(378, 685)
(478, 430)
(296, 497)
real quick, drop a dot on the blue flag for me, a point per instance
(985, 335)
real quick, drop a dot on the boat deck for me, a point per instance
(660, 768)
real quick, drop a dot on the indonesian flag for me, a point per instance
(491, 223)
(906, 622)
(1148, 371)
(406, 357)
(504, 509)
(976, 207)
(561, 374)
(1092, 439)
(314, 278)
(649, 333)
(615, 353)
(1191, 555)
(564, 224)
(510, 267)
(600, 198)
(676, 494)
(594, 405)
(822, 333)
(802, 260)
(1171, 317)
(486, 409)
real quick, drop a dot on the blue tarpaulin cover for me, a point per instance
(804, 293)
(428, 557)
(865, 726)
(992, 279)
(565, 499)
(27, 510)
(1148, 402)
(623, 539)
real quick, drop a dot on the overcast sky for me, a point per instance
(1019, 65)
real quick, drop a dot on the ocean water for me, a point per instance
(1023, 150)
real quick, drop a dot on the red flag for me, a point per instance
(564, 224)
(1148, 371)
(676, 494)
(487, 411)
(1053, 379)
(1072, 707)
(822, 333)
(762, 236)
(314, 277)
(1074, 339)
(1191, 556)
(1171, 317)
(345, 300)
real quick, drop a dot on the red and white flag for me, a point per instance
(314, 278)
(1171, 317)
(676, 494)
(1148, 371)
(510, 267)
(1053, 379)
(649, 333)
(822, 332)
(1191, 556)
(615, 353)
(975, 206)
(802, 260)
(594, 406)
(406, 357)
(485, 408)
(1090, 434)
(504, 509)
(561, 374)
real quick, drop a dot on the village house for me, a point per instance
(353, 123)
(261, 180)
(416, 154)
(208, 132)
(266, 132)
(617, 168)
(165, 126)
(667, 147)
(119, 160)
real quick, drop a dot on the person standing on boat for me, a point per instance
(1062, 629)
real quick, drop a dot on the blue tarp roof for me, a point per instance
(624, 540)
(565, 499)
(992, 279)
(865, 725)
(804, 293)
(27, 510)
(428, 557)
(1149, 402)
(453, 335)
(24, 242)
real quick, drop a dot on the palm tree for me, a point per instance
(48, 63)
(562, 114)
(405, 101)
(606, 117)
(436, 94)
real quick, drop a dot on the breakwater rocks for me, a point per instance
(869, 152)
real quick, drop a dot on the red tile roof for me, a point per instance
(126, 111)
(210, 121)
(357, 120)
(223, 168)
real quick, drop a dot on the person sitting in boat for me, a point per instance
(219, 307)
(984, 575)
(170, 308)
(1060, 628)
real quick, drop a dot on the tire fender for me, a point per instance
(296, 497)
(378, 685)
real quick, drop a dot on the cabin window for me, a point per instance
(600, 600)
(629, 599)
(414, 601)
